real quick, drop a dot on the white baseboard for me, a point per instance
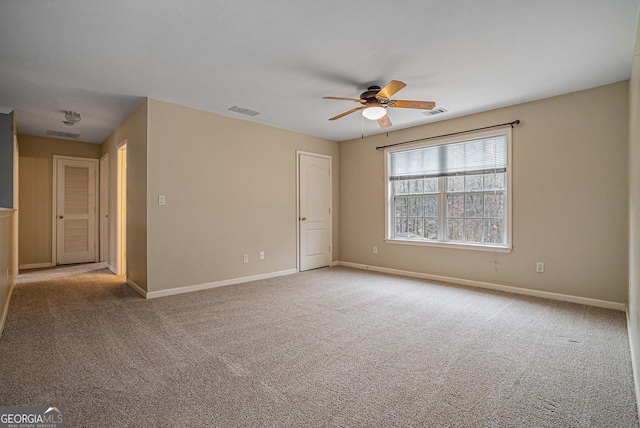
(5, 310)
(137, 288)
(506, 288)
(36, 265)
(198, 287)
(334, 264)
(112, 269)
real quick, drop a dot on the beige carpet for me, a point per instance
(48, 274)
(331, 347)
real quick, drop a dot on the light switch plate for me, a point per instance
(161, 200)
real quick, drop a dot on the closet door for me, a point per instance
(76, 210)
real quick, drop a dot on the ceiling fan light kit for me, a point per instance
(374, 112)
(375, 101)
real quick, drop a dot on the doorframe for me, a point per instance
(104, 210)
(319, 155)
(54, 206)
(16, 203)
(121, 206)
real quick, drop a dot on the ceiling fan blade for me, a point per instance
(358, 100)
(391, 88)
(423, 105)
(384, 122)
(346, 113)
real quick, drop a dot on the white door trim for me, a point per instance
(54, 205)
(319, 155)
(121, 204)
(104, 208)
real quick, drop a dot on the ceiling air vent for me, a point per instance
(60, 134)
(244, 111)
(434, 111)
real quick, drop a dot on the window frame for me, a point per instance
(441, 243)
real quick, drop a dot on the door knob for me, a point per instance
(61, 216)
(303, 218)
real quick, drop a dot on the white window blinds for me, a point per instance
(461, 158)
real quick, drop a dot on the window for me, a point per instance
(451, 193)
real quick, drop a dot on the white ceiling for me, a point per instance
(280, 57)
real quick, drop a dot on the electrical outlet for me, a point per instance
(375, 250)
(245, 258)
(261, 255)
(540, 267)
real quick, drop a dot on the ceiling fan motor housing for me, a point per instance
(370, 94)
(369, 97)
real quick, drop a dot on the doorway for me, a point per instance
(121, 258)
(314, 210)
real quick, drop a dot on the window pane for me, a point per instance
(454, 230)
(401, 228)
(455, 184)
(400, 207)
(414, 228)
(431, 228)
(473, 206)
(415, 206)
(494, 205)
(473, 230)
(431, 206)
(455, 206)
(473, 183)
(400, 187)
(430, 185)
(494, 231)
(415, 186)
(494, 181)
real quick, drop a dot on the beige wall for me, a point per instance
(569, 199)
(230, 188)
(36, 190)
(634, 212)
(134, 131)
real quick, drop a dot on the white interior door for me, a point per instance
(76, 210)
(314, 210)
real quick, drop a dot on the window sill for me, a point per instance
(452, 245)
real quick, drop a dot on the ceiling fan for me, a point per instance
(375, 102)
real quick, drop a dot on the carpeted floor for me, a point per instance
(330, 347)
